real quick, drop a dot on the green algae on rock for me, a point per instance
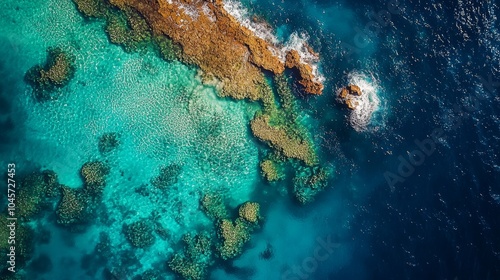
(54, 74)
(167, 49)
(233, 236)
(278, 126)
(271, 171)
(279, 139)
(92, 8)
(127, 28)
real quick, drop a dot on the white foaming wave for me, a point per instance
(206, 10)
(189, 10)
(279, 49)
(367, 104)
(240, 13)
(298, 42)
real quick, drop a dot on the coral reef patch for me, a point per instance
(54, 74)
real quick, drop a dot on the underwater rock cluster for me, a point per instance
(270, 170)
(41, 196)
(231, 235)
(214, 207)
(35, 191)
(204, 34)
(279, 139)
(234, 234)
(249, 211)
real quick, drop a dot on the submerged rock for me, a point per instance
(213, 206)
(271, 171)
(35, 191)
(308, 182)
(233, 236)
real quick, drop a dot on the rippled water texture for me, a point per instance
(394, 208)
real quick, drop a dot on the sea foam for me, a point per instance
(367, 104)
(279, 48)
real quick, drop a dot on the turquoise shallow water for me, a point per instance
(161, 111)
(440, 223)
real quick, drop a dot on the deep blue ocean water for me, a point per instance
(401, 204)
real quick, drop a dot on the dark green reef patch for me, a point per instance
(94, 176)
(308, 182)
(193, 261)
(169, 175)
(108, 142)
(54, 74)
(139, 234)
(72, 208)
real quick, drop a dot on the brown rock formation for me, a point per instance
(354, 90)
(305, 71)
(347, 93)
(215, 41)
